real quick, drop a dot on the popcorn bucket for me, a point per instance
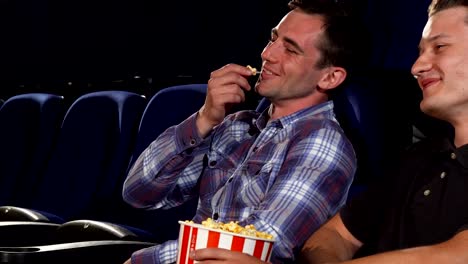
(195, 236)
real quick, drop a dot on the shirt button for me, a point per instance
(193, 141)
(427, 192)
(443, 174)
(215, 216)
(212, 163)
(453, 155)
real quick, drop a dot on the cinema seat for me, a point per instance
(30, 125)
(168, 107)
(94, 144)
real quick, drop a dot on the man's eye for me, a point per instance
(291, 51)
(439, 47)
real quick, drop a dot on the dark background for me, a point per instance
(75, 46)
(71, 47)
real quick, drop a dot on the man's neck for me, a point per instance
(461, 135)
(285, 108)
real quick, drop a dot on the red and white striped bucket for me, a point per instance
(196, 236)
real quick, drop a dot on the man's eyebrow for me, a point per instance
(432, 39)
(290, 41)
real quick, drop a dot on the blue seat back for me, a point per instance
(262, 105)
(359, 110)
(168, 107)
(95, 144)
(29, 126)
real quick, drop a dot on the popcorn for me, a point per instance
(214, 234)
(234, 227)
(252, 69)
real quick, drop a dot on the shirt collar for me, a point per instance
(461, 153)
(324, 109)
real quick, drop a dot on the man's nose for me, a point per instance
(421, 65)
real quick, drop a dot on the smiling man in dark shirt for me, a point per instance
(420, 213)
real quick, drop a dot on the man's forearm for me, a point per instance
(325, 246)
(452, 251)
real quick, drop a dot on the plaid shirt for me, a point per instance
(286, 176)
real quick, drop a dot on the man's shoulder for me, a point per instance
(419, 153)
(323, 130)
(315, 124)
(428, 145)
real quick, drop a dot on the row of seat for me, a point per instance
(70, 162)
(62, 168)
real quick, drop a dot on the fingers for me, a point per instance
(227, 85)
(227, 79)
(220, 255)
(233, 74)
(226, 88)
(210, 254)
(239, 69)
(229, 93)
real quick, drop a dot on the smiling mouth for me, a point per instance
(428, 82)
(267, 72)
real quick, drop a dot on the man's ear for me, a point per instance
(332, 78)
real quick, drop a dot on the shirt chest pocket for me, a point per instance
(254, 183)
(218, 169)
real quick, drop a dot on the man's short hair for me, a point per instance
(439, 5)
(337, 45)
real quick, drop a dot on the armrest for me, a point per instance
(24, 233)
(13, 213)
(105, 251)
(90, 230)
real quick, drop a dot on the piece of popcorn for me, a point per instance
(234, 227)
(252, 69)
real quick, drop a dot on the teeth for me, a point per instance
(267, 72)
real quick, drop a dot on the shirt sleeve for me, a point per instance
(371, 215)
(361, 215)
(166, 173)
(311, 186)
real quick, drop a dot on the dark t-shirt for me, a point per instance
(421, 202)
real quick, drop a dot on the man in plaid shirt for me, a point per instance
(286, 170)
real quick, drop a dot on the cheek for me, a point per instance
(301, 80)
(310, 78)
(461, 71)
(302, 72)
(459, 66)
